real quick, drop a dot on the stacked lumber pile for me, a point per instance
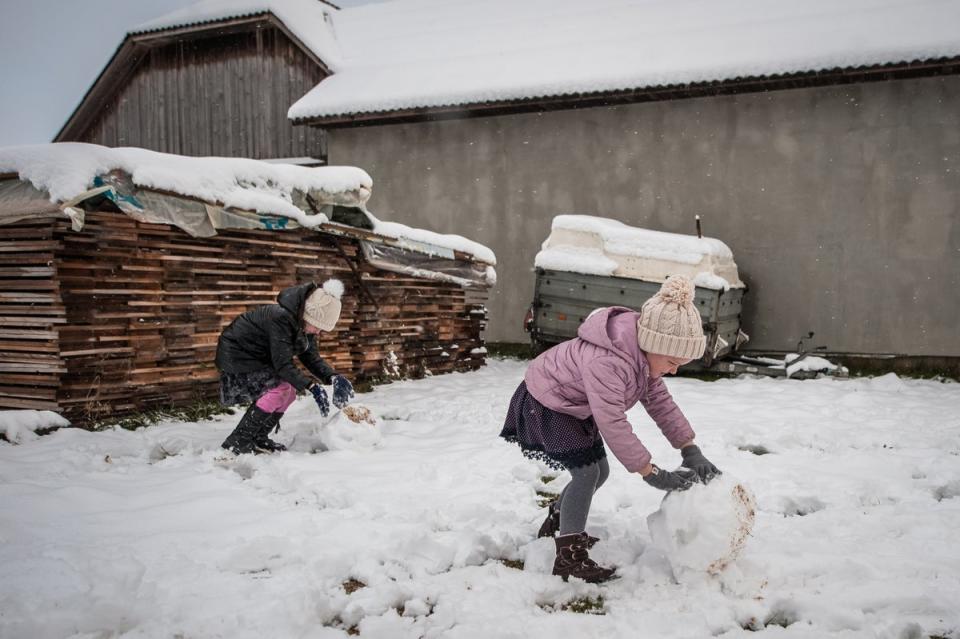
(124, 316)
(31, 314)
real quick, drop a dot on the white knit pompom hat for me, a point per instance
(669, 323)
(322, 308)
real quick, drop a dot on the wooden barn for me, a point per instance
(212, 87)
(113, 294)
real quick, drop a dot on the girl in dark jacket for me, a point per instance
(255, 358)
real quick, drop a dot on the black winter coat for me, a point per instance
(269, 337)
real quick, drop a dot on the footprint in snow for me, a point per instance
(799, 506)
(947, 491)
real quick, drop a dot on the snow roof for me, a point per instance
(410, 54)
(601, 246)
(308, 20)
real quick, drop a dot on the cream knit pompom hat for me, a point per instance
(322, 308)
(669, 323)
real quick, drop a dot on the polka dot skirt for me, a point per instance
(561, 441)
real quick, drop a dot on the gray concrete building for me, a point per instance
(841, 203)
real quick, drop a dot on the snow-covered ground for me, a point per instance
(144, 534)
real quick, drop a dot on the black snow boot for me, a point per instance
(243, 439)
(551, 525)
(573, 560)
(263, 441)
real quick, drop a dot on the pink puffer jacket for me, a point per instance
(603, 373)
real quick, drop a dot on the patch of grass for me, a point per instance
(776, 617)
(516, 564)
(338, 623)
(352, 585)
(201, 410)
(943, 369)
(545, 499)
(782, 618)
(585, 606)
(510, 350)
(548, 478)
(702, 375)
(367, 385)
(756, 449)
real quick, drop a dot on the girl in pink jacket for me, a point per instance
(574, 397)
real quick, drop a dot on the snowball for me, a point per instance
(704, 528)
(347, 431)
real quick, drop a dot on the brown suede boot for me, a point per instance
(573, 560)
(551, 525)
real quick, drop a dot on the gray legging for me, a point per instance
(576, 497)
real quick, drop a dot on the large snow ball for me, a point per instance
(703, 529)
(353, 428)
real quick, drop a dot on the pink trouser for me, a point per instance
(277, 399)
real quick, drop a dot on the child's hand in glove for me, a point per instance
(342, 391)
(695, 461)
(320, 396)
(667, 481)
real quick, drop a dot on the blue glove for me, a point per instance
(320, 396)
(342, 391)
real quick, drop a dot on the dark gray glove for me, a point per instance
(695, 461)
(666, 480)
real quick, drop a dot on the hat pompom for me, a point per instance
(677, 290)
(334, 287)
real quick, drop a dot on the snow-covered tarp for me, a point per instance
(601, 246)
(423, 240)
(201, 195)
(66, 170)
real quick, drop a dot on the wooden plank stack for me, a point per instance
(124, 316)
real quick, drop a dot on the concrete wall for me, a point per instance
(841, 204)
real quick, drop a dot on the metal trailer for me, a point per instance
(563, 300)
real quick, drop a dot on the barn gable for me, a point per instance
(220, 88)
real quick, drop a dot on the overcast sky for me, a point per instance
(51, 51)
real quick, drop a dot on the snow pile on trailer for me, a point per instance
(601, 246)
